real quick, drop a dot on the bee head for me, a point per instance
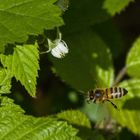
(98, 93)
(94, 95)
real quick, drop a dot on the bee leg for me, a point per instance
(113, 104)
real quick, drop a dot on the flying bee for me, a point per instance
(100, 95)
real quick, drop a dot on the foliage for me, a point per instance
(14, 124)
(115, 6)
(5, 81)
(133, 60)
(88, 64)
(77, 117)
(23, 17)
(96, 55)
(23, 64)
(85, 14)
(84, 126)
(129, 107)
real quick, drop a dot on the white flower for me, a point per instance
(60, 50)
(57, 47)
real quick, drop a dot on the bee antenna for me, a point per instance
(82, 93)
(113, 104)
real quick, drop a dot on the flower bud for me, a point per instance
(60, 50)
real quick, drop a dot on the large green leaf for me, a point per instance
(109, 32)
(5, 81)
(24, 65)
(82, 14)
(78, 118)
(20, 18)
(89, 63)
(80, 121)
(15, 125)
(129, 106)
(115, 6)
(133, 60)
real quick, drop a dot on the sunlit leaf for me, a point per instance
(77, 117)
(133, 60)
(24, 65)
(15, 125)
(20, 18)
(5, 81)
(115, 6)
(81, 122)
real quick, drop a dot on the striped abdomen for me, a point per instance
(116, 92)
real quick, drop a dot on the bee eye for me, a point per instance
(98, 94)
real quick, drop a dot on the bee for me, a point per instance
(100, 95)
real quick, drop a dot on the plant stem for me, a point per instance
(120, 76)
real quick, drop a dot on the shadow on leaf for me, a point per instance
(132, 104)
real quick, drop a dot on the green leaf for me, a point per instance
(115, 6)
(89, 63)
(81, 122)
(78, 118)
(83, 14)
(5, 81)
(8, 107)
(24, 65)
(20, 18)
(129, 106)
(63, 4)
(15, 125)
(133, 60)
(112, 37)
